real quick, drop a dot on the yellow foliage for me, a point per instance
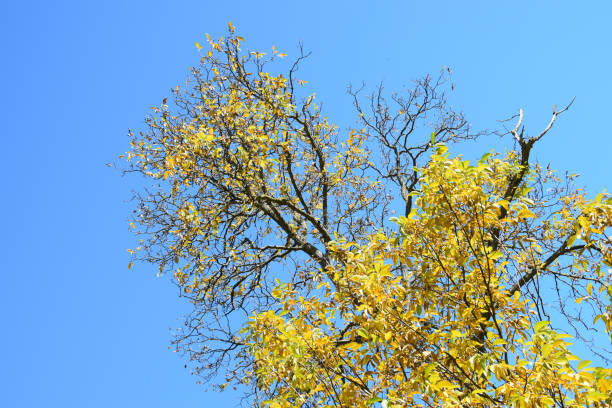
(445, 332)
(259, 204)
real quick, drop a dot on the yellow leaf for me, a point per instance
(583, 364)
(525, 213)
(446, 384)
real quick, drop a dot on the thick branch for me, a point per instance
(528, 277)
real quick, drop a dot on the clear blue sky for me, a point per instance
(79, 329)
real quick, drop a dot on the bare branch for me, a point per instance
(515, 132)
(554, 117)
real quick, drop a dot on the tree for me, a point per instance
(275, 225)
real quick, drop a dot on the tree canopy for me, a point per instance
(372, 265)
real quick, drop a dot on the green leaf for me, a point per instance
(596, 396)
(583, 364)
(540, 325)
(484, 158)
(363, 333)
(373, 400)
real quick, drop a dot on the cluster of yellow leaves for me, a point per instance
(434, 314)
(428, 317)
(244, 153)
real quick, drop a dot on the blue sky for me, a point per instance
(81, 330)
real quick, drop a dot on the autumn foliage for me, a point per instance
(371, 266)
